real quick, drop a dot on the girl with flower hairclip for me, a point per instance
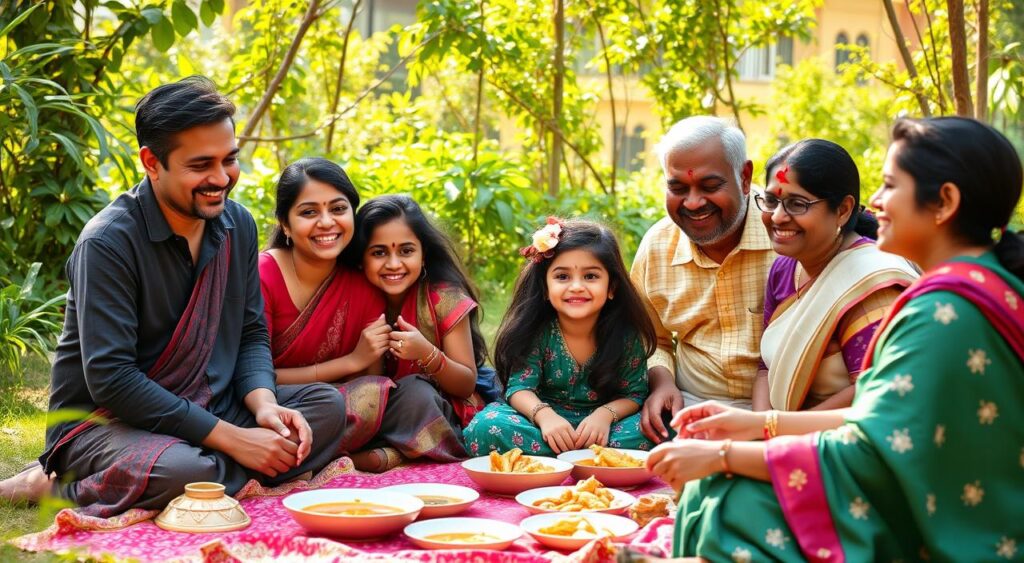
(571, 350)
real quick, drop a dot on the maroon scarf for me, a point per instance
(181, 369)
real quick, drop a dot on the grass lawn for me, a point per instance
(22, 427)
(23, 423)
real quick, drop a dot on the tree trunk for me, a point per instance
(616, 145)
(981, 89)
(958, 43)
(282, 71)
(908, 61)
(555, 156)
(341, 72)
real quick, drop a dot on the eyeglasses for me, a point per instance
(768, 203)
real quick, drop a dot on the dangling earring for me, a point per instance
(423, 274)
(287, 240)
(839, 231)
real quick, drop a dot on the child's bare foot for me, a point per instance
(30, 485)
(377, 460)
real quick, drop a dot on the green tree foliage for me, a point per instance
(62, 126)
(817, 102)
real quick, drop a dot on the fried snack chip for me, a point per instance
(586, 495)
(609, 457)
(649, 507)
(513, 461)
(575, 527)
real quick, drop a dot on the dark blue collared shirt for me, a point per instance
(131, 278)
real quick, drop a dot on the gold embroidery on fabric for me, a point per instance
(328, 348)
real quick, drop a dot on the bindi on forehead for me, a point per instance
(781, 174)
(689, 174)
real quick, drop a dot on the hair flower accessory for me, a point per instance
(544, 241)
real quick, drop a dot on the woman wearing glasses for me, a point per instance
(830, 286)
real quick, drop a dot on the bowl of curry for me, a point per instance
(353, 514)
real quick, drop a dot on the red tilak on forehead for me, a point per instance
(690, 174)
(392, 246)
(781, 175)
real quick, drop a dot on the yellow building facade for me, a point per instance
(861, 22)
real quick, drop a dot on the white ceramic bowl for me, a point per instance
(621, 477)
(479, 470)
(617, 527)
(502, 532)
(364, 527)
(620, 500)
(458, 498)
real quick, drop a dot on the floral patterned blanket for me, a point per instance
(274, 535)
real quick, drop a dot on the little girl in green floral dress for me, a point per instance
(572, 349)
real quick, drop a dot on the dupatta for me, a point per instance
(794, 342)
(435, 309)
(181, 369)
(326, 329)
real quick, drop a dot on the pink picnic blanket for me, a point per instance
(274, 535)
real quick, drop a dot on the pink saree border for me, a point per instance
(797, 479)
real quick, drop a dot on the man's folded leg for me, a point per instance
(179, 464)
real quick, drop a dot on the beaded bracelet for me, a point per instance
(615, 415)
(537, 408)
(722, 453)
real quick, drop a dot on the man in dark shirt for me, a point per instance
(165, 338)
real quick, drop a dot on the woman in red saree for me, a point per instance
(436, 345)
(325, 320)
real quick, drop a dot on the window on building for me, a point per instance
(842, 55)
(864, 43)
(631, 148)
(758, 63)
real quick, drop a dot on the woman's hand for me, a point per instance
(679, 461)
(408, 343)
(557, 431)
(594, 429)
(714, 421)
(373, 342)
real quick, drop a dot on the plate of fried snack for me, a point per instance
(513, 472)
(585, 496)
(462, 533)
(573, 531)
(614, 467)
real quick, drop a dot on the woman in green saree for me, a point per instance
(928, 462)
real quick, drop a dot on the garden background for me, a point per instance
(491, 113)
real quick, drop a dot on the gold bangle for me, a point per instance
(723, 452)
(615, 415)
(771, 424)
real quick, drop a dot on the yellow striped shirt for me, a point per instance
(713, 312)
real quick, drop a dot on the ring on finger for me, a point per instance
(400, 344)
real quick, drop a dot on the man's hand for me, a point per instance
(259, 449)
(290, 424)
(664, 397)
